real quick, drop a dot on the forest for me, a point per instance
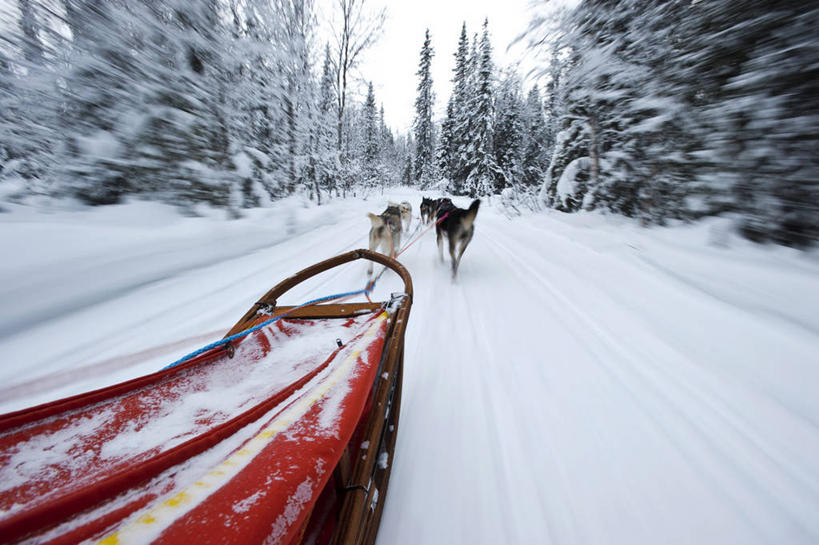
(670, 111)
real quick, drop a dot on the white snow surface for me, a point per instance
(583, 380)
(567, 184)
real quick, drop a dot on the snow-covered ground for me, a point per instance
(583, 381)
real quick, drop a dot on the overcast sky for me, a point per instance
(392, 63)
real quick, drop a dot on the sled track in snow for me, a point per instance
(48, 381)
(563, 388)
(693, 415)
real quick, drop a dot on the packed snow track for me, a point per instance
(583, 381)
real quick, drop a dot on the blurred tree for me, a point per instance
(680, 109)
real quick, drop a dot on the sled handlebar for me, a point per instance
(287, 284)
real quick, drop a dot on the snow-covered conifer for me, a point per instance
(372, 137)
(423, 126)
(509, 133)
(535, 146)
(483, 171)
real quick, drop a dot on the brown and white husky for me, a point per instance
(385, 232)
(406, 213)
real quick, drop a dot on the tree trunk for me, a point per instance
(594, 151)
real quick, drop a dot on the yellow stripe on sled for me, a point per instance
(156, 519)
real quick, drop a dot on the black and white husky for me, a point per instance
(458, 225)
(385, 232)
(427, 209)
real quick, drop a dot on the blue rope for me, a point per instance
(367, 289)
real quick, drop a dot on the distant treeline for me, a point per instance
(653, 110)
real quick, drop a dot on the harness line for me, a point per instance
(442, 218)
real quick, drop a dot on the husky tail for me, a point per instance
(377, 221)
(469, 218)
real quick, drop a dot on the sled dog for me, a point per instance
(458, 225)
(406, 213)
(385, 232)
(443, 202)
(427, 210)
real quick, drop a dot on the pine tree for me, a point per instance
(372, 132)
(405, 152)
(458, 118)
(755, 108)
(390, 156)
(253, 103)
(408, 175)
(597, 90)
(653, 106)
(32, 47)
(27, 133)
(445, 155)
(296, 17)
(99, 77)
(535, 145)
(185, 141)
(326, 131)
(483, 170)
(211, 102)
(509, 133)
(423, 126)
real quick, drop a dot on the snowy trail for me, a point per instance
(573, 416)
(581, 382)
(161, 311)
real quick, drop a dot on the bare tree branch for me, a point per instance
(355, 28)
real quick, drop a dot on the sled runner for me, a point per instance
(284, 435)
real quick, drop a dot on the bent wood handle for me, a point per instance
(287, 284)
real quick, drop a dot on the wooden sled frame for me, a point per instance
(361, 483)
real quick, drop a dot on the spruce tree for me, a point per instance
(483, 170)
(371, 137)
(534, 145)
(326, 130)
(28, 135)
(445, 155)
(423, 126)
(459, 116)
(509, 133)
(680, 110)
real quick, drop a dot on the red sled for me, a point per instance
(283, 435)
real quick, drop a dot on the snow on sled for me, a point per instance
(284, 435)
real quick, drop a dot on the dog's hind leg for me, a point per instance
(440, 234)
(396, 243)
(373, 246)
(456, 261)
(464, 243)
(453, 241)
